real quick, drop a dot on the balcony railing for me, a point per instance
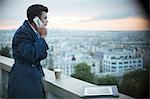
(65, 88)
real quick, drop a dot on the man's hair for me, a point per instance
(35, 10)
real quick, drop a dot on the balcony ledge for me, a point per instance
(65, 88)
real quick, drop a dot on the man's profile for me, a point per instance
(29, 48)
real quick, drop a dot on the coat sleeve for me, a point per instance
(32, 51)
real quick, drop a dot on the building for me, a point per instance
(120, 60)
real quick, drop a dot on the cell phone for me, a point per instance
(37, 21)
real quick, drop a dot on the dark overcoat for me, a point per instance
(26, 73)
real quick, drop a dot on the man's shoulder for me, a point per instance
(21, 31)
(24, 29)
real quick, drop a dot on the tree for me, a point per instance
(107, 80)
(92, 54)
(83, 72)
(5, 51)
(135, 83)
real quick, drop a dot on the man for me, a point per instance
(29, 48)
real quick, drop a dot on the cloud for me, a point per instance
(84, 13)
(117, 9)
(116, 24)
(117, 15)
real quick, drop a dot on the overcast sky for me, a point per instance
(78, 14)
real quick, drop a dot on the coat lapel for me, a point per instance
(29, 30)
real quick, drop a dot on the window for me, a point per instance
(113, 67)
(113, 63)
(113, 70)
(134, 62)
(125, 66)
(120, 62)
(139, 61)
(139, 65)
(120, 66)
(125, 62)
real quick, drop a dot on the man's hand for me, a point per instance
(42, 31)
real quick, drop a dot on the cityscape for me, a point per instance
(106, 52)
(94, 43)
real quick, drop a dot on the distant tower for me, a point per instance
(73, 63)
(73, 58)
(93, 66)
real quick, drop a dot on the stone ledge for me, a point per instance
(65, 88)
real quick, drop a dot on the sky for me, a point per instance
(78, 14)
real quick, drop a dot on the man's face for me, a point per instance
(44, 18)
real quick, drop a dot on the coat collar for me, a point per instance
(31, 28)
(27, 25)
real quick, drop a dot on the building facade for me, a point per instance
(121, 60)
